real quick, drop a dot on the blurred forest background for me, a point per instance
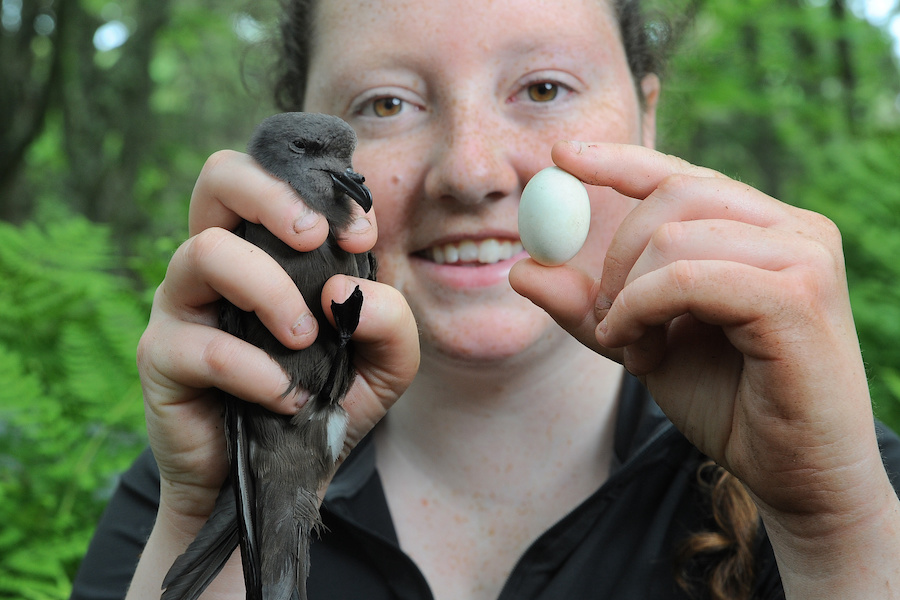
(108, 109)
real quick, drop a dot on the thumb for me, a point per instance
(568, 295)
(386, 351)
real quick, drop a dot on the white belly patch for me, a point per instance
(336, 429)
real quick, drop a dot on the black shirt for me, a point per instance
(618, 544)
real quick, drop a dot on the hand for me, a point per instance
(183, 356)
(733, 309)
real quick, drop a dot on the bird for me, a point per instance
(269, 503)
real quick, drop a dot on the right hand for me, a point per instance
(183, 356)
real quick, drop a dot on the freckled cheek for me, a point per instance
(392, 176)
(619, 125)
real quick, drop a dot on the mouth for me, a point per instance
(487, 251)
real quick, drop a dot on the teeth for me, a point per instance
(489, 252)
(468, 251)
(486, 252)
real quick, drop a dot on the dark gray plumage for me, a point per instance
(269, 504)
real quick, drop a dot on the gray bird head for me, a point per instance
(312, 153)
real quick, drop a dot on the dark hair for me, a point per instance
(724, 555)
(645, 43)
(292, 68)
(645, 47)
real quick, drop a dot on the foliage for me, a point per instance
(122, 133)
(70, 403)
(118, 136)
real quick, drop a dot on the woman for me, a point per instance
(518, 460)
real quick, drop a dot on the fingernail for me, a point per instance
(306, 221)
(296, 399)
(360, 225)
(304, 326)
(602, 328)
(577, 147)
(602, 306)
(301, 398)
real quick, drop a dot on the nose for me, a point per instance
(471, 159)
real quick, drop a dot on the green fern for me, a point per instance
(71, 414)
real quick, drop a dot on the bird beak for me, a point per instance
(352, 184)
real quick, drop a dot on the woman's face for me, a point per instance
(457, 104)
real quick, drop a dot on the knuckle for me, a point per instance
(673, 186)
(217, 161)
(827, 242)
(799, 304)
(819, 227)
(826, 260)
(681, 167)
(802, 296)
(145, 350)
(684, 275)
(220, 358)
(808, 285)
(615, 271)
(199, 249)
(279, 299)
(614, 262)
(669, 236)
(828, 231)
(154, 360)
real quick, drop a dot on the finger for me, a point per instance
(567, 294)
(767, 249)
(704, 289)
(678, 199)
(361, 234)
(216, 263)
(647, 353)
(386, 350)
(232, 186)
(210, 358)
(635, 171)
(764, 249)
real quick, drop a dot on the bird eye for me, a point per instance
(298, 146)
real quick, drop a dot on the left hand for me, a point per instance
(733, 309)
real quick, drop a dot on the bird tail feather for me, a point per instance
(194, 570)
(287, 530)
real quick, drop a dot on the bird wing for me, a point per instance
(244, 494)
(194, 570)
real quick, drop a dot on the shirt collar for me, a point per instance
(638, 421)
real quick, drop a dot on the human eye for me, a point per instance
(384, 107)
(385, 110)
(542, 90)
(387, 106)
(545, 91)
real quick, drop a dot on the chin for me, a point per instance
(489, 340)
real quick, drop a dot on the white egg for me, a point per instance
(554, 216)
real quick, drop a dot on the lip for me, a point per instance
(467, 275)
